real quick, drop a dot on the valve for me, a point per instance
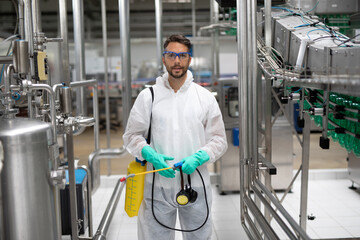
(58, 178)
(291, 97)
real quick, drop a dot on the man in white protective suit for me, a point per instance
(186, 126)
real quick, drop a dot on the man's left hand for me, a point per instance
(192, 162)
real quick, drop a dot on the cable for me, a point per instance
(313, 7)
(9, 38)
(17, 16)
(349, 39)
(307, 34)
(176, 229)
(7, 54)
(283, 8)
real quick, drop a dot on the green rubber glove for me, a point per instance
(195, 160)
(158, 160)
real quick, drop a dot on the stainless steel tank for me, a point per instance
(27, 195)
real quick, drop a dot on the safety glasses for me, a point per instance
(172, 55)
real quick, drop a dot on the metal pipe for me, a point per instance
(275, 215)
(216, 44)
(36, 16)
(159, 34)
(88, 185)
(29, 35)
(305, 172)
(93, 83)
(64, 45)
(109, 212)
(253, 228)
(193, 18)
(268, 132)
(255, 77)
(30, 110)
(268, 37)
(72, 184)
(282, 210)
(94, 160)
(7, 77)
(78, 13)
(96, 116)
(107, 108)
(21, 19)
(267, 230)
(242, 74)
(6, 59)
(250, 78)
(86, 83)
(125, 59)
(326, 112)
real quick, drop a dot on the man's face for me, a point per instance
(176, 67)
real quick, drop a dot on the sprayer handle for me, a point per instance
(177, 165)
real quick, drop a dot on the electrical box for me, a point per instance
(41, 67)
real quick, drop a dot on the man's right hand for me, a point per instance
(158, 161)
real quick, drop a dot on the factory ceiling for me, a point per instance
(177, 17)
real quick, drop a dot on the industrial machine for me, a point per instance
(282, 149)
(26, 184)
(304, 57)
(35, 112)
(354, 168)
(229, 162)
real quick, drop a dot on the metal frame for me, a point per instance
(258, 201)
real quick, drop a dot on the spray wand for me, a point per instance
(176, 165)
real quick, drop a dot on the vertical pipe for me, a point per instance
(250, 74)
(125, 59)
(107, 108)
(216, 41)
(301, 113)
(268, 40)
(29, 35)
(243, 117)
(254, 80)
(96, 116)
(326, 112)
(64, 45)
(36, 16)
(212, 21)
(79, 53)
(305, 172)
(268, 131)
(72, 185)
(193, 17)
(159, 34)
(89, 209)
(21, 19)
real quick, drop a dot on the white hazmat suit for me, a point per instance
(182, 123)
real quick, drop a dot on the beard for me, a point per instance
(177, 71)
(178, 75)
